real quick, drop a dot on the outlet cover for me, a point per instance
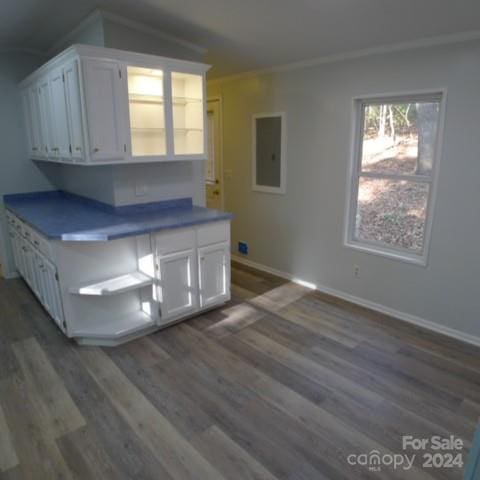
(243, 248)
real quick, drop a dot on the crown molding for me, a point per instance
(312, 62)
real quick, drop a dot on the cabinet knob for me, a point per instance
(96, 150)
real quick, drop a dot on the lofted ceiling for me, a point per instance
(243, 35)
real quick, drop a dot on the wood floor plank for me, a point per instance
(38, 455)
(178, 456)
(232, 460)
(8, 456)
(236, 318)
(86, 457)
(279, 297)
(312, 369)
(47, 388)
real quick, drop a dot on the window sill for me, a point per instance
(411, 259)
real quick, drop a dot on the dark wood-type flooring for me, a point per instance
(281, 383)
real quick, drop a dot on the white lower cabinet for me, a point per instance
(177, 284)
(214, 274)
(39, 272)
(193, 270)
(107, 293)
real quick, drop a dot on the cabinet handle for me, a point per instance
(55, 149)
(35, 242)
(24, 249)
(96, 150)
(202, 259)
(78, 149)
(34, 149)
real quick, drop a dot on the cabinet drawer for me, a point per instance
(217, 232)
(174, 241)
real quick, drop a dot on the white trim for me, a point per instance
(354, 173)
(219, 99)
(351, 55)
(283, 154)
(377, 307)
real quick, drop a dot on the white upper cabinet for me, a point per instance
(60, 135)
(74, 109)
(45, 117)
(94, 105)
(105, 115)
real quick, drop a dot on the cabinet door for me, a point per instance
(177, 286)
(74, 109)
(34, 121)
(15, 248)
(105, 112)
(53, 302)
(214, 274)
(146, 102)
(27, 119)
(45, 116)
(188, 106)
(59, 122)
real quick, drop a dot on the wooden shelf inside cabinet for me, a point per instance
(115, 285)
(117, 328)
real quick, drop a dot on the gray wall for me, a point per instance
(17, 173)
(126, 38)
(302, 232)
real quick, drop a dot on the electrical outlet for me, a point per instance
(356, 271)
(243, 248)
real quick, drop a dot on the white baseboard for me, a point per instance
(377, 307)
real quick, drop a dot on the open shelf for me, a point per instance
(117, 328)
(141, 98)
(115, 285)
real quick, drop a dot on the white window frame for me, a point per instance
(283, 157)
(354, 175)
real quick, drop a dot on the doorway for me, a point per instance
(214, 163)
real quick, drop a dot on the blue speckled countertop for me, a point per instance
(62, 216)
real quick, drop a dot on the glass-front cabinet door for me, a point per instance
(146, 100)
(188, 114)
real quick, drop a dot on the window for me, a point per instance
(393, 182)
(269, 151)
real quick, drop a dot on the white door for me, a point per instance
(60, 136)
(15, 248)
(177, 286)
(45, 116)
(213, 165)
(54, 303)
(74, 109)
(34, 120)
(103, 97)
(28, 119)
(214, 274)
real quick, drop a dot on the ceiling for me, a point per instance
(243, 35)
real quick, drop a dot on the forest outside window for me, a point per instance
(393, 176)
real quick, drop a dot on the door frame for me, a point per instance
(219, 99)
